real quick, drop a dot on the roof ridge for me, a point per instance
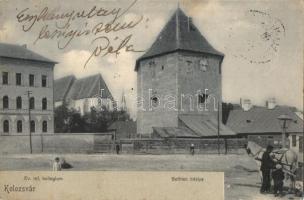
(8, 50)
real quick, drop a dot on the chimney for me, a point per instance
(24, 46)
(246, 104)
(271, 103)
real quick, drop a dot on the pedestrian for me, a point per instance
(266, 166)
(57, 164)
(117, 148)
(192, 149)
(278, 178)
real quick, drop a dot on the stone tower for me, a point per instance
(178, 79)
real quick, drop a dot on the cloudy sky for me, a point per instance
(262, 42)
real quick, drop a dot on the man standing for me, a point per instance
(117, 148)
(266, 165)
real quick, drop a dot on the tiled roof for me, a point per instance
(165, 132)
(179, 34)
(205, 126)
(21, 52)
(89, 87)
(62, 87)
(262, 120)
(124, 128)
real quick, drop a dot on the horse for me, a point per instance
(286, 157)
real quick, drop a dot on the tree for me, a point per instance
(71, 121)
(62, 118)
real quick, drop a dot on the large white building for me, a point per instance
(83, 94)
(23, 71)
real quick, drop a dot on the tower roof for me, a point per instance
(179, 34)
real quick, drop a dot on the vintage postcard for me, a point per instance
(151, 99)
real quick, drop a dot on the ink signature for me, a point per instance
(104, 47)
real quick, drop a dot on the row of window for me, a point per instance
(201, 99)
(6, 126)
(203, 66)
(18, 77)
(19, 103)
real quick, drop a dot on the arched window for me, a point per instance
(33, 126)
(5, 102)
(18, 102)
(5, 126)
(32, 103)
(19, 126)
(44, 104)
(44, 126)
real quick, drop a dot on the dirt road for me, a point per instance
(242, 181)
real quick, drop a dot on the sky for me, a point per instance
(262, 41)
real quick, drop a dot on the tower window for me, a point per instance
(162, 67)
(202, 98)
(203, 64)
(18, 78)
(154, 101)
(19, 126)
(4, 78)
(189, 66)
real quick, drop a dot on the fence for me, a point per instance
(182, 146)
(104, 143)
(51, 143)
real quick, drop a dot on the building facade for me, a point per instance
(261, 125)
(179, 80)
(26, 88)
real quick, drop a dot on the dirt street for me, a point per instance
(242, 181)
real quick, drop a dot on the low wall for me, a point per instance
(103, 143)
(182, 146)
(50, 143)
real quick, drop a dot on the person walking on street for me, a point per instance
(266, 166)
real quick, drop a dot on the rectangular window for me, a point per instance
(4, 78)
(301, 144)
(31, 80)
(18, 78)
(202, 98)
(43, 80)
(294, 140)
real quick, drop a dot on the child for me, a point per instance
(278, 177)
(57, 165)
